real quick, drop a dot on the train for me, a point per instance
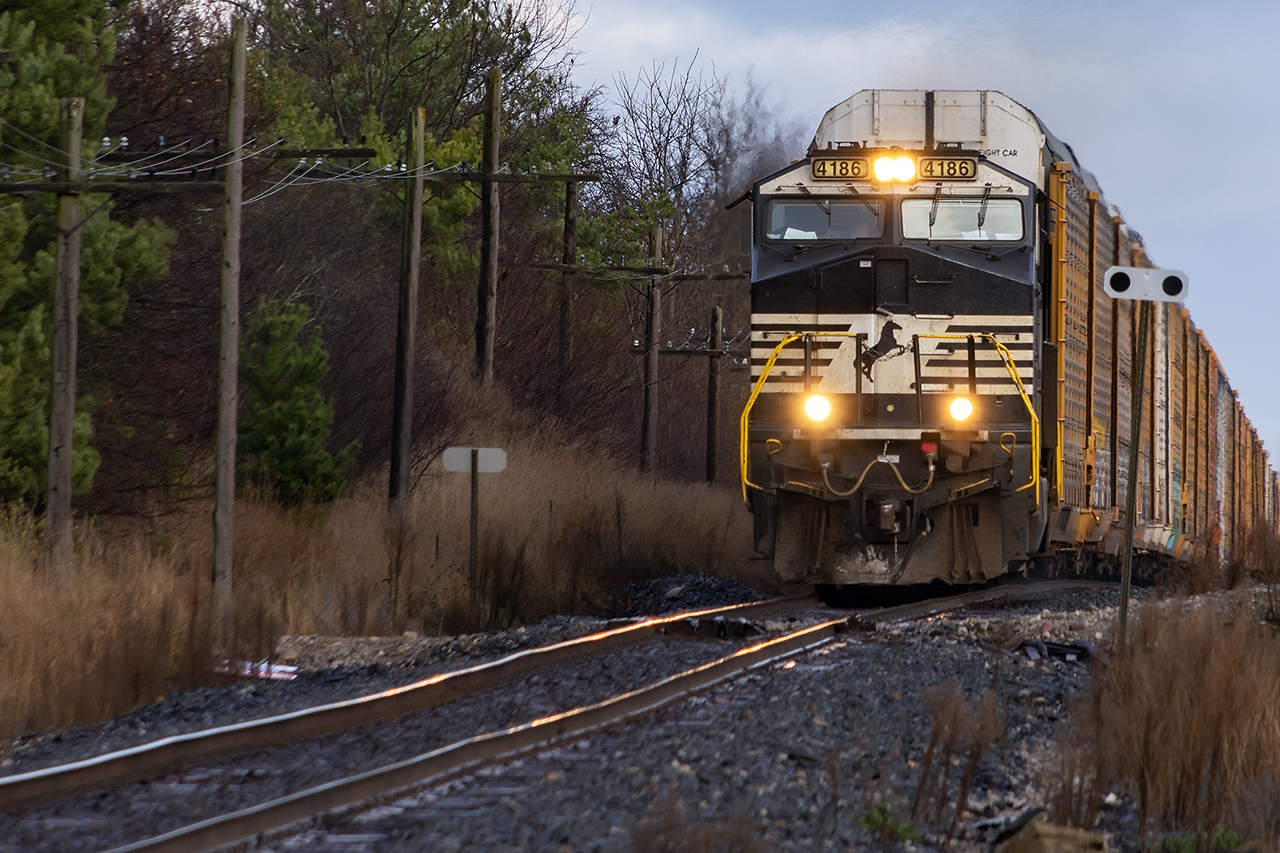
(941, 389)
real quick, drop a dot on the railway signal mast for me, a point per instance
(1145, 286)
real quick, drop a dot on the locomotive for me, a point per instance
(941, 389)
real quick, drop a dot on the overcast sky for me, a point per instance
(1173, 106)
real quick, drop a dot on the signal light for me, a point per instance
(817, 407)
(1152, 285)
(961, 408)
(895, 169)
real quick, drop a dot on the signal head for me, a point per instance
(1145, 284)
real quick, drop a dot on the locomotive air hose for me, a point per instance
(925, 487)
(856, 485)
(827, 480)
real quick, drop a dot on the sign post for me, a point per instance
(475, 460)
(1146, 286)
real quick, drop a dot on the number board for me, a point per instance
(948, 168)
(840, 168)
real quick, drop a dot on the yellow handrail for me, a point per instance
(1000, 348)
(755, 392)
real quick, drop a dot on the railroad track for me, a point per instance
(379, 781)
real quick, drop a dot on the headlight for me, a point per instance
(895, 169)
(817, 407)
(961, 408)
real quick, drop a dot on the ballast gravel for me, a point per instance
(330, 669)
(823, 751)
(793, 756)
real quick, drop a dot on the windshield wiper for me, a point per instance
(933, 209)
(982, 211)
(825, 207)
(992, 255)
(867, 204)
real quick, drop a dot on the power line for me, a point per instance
(36, 140)
(280, 185)
(136, 164)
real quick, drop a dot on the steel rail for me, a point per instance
(52, 783)
(1010, 591)
(246, 825)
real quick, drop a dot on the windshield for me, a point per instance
(822, 219)
(962, 219)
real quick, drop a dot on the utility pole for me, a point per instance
(564, 346)
(1146, 285)
(66, 309)
(713, 393)
(487, 294)
(1131, 493)
(653, 331)
(407, 326)
(229, 360)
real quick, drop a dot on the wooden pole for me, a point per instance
(487, 295)
(229, 360)
(1131, 493)
(713, 393)
(475, 527)
(407, 325)
(653, 331)
(66, 302)
(564, 343)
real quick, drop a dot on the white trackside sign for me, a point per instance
(489, 460)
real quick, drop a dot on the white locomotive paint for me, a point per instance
(990, 122)
(888, 361)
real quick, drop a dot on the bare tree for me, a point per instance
(655, 163)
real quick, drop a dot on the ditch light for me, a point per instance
(817, 407)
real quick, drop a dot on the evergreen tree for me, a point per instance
(57, 51)
(286, 419)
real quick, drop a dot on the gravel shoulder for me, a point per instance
(331, 669)
(796, 755)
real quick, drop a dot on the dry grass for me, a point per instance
(123, 629)
(961, 732)
(129, 622)
(1187, 721)
(666, 830)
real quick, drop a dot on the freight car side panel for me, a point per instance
(1177, 415)
(1204, 500)
(1069, 328)
(1146, 435)
(1102, 357)
(1191, 429)
(1160, 414)
(1122, 414)
(1221, 440)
